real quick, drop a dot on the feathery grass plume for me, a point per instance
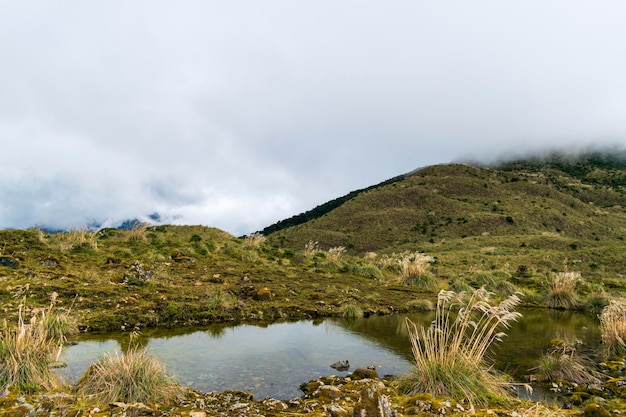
(254, 240)
(351, 311)
(333, 257)
(26, 355)
(311, 248)
(450, 355)
(135, 376)
(562, 290)
(414, 269)
(613, 327)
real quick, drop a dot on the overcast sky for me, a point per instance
(237, 114)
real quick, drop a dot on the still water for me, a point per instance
(272, 361)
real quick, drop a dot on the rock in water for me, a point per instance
(341, 366)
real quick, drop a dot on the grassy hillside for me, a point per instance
(180, 276)
(520, 226)
(523, 220)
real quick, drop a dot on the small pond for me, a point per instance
(273, 360)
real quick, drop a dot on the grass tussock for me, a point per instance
(450, 355)
(421, 304)
(78, 237)
(562, 362)
(562, 290)
(58, 323)
(411, 267)
(254, 240)
(351, 311)
(333, 257)
(311, 248)
(138, 233)
(613, 327)
(414, 264)
(28, 351)
(135, 376)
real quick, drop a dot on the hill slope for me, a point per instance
(568, 211)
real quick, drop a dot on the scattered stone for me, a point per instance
(8, 261)
(264, 294)
(335, 410)
(137, 275)
(364, 373)
(373, 404)
(341, 366)
(51, 262)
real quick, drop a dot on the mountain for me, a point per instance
(557, 202)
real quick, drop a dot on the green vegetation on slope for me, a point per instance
(505, 229)
(184, 275)
(524, 225)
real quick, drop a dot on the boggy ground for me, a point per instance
(168, 276)
(173, 276)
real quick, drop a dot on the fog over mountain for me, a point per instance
(237, 114)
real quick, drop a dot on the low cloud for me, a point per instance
(236, 115)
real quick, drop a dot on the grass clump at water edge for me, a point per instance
(135, 376)
(562, 291)
(613, 328)
(563, 362)
(351, 311)
(27, 353)
(450, 355)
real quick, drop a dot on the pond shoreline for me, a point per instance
(326, 396)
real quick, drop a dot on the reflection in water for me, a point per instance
(274, 360)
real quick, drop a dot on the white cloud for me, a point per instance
(238, 114)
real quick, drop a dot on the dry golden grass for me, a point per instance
(138, 232)
(613, 327)
(78, 236)
(135, 376)
(562, 290)
(311, 248)
(254, 240)
(449, 355)
(27, 352)
(562, 362)
(333, 256)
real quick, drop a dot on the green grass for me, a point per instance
(507, 229)
(351, 311)
(449, 356)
